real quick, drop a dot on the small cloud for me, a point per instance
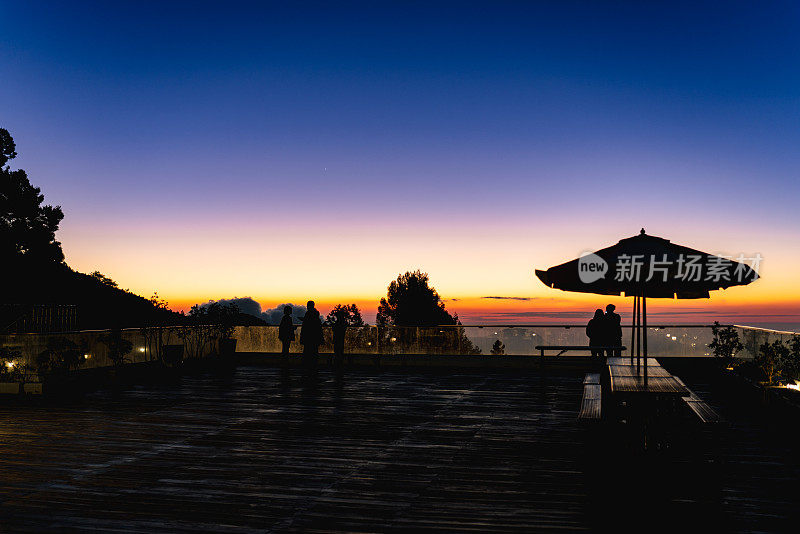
(273, 315)
(509, 298)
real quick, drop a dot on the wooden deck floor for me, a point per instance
(376, 452)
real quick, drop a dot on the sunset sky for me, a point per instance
(294, 151)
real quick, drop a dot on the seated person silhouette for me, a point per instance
(614, 326)
(596, 332)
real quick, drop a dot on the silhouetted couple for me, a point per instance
(311, 335)
(605, 330)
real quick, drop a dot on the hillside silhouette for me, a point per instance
(35, 270)
(98, 305)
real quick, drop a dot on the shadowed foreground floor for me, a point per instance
(258, 451)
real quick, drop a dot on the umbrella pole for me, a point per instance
(644, 336)
(638, 333)
(633, 327)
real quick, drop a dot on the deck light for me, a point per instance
(141, 349)
(87, 356)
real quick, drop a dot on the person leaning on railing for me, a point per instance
(286, 332)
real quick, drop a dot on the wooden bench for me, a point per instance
(590, 403)
(705, 413)
(565, 348)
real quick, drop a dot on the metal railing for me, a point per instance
(17, 318)
(487, 340)
(482, 340)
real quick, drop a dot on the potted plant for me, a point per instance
(118, 348)
(196, 334)
(223, 320)
(61, 356)
(726, 344)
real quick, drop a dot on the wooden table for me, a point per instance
(627, 378)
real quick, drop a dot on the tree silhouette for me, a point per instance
(498, 349)
(351, 313)
(118, 346)
(769, 359)
(410, 301)
(103, 279)
(27, 228)
(726, 342)
(33, 259)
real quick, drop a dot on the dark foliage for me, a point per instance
(206, 326)
(118, 347)
(33, 261)
(8, 360)
(228, 311)
(103, 279)
(725, 344)
(61, 355)
(410, 301)
(770, 358)
(498, 348)
(791, 366)
(27, 226)
(99, 305)
(779, 361)
(350, 312)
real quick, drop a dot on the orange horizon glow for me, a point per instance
(577, 309)
(188, 265)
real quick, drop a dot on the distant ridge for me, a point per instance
(99, 305)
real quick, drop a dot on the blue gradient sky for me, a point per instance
(297, 142)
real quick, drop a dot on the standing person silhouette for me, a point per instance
(596, 332)
(311, 335)
(614, 329)
(286, 333)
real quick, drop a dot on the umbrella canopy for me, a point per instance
(649, 266)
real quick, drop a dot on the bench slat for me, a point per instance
(591, 391)
(590, 410)
(703, 411)
(706, 413)
(590, 403)
(592, 378)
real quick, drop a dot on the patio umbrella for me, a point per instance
(647, 266)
